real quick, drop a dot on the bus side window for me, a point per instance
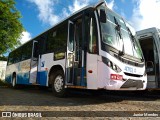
(36, 51)
(92, 37)
(71, 37)
(10, 58)
(27, 51)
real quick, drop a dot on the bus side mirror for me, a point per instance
(149, 66)
(103, 16)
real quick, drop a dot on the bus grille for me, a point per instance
(133, 75)
(133, 83)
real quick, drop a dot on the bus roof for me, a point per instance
(148, 30)
(55, 25)
(84, 8)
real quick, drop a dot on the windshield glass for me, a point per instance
(111, 37)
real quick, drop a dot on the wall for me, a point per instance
(2, 69)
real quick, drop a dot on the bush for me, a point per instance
(3, 83)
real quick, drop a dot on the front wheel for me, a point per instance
(58, 84)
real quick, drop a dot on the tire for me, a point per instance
(14, 82)
(58, 84)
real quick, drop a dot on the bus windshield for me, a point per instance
(122, 40)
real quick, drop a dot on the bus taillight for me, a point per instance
(116, 77)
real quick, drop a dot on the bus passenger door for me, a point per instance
(70, 54)
(34, 63)
(75, 67)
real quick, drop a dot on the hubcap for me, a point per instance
(58, 84)
(13, 82)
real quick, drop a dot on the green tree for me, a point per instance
(10, 26)
(3, 58)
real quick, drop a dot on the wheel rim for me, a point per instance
(13, 82)
(58, 84)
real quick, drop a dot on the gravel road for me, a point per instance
(33, 99)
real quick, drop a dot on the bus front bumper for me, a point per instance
(129, 84)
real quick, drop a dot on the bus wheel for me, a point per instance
(14, 81)
(58, 84)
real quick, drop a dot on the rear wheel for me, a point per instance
(58, 84)
(14, 81)
(14, 84)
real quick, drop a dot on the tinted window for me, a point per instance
(57, 39)
(36, 49)
(71, 37)
(10, 59)
(17, 55)
(92, 38)
(27, 51)
(42, 43)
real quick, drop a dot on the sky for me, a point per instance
(40, 15)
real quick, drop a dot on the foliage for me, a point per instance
(10, 26)
(3, 83)
(3, 58)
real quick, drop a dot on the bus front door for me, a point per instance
(34, 63)
(70, 54)
(75, 55)
(150, 53)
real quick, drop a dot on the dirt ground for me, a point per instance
(33, 99)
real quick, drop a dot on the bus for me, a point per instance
(93, 48)
(150, 43)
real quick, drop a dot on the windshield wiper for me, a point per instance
(132, 37)
(118, 29)
(133, 40)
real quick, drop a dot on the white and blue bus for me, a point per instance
(92, 49)
(150, 43)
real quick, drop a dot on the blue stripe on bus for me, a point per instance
(23, 78)
(8, 78)
(42, 78)
(82, 77)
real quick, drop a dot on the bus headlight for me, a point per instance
(111, 65)
(114, 67)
